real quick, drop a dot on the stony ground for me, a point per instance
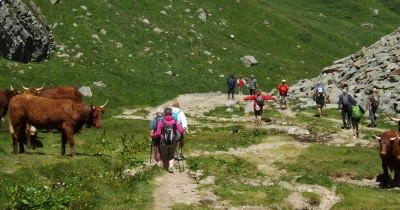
(183, 187)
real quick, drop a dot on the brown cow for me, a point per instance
(64, 115)
(5, 97)
(389, 151)
(62, 92)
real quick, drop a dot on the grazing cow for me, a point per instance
(63, 92)
(5, 97)
(389, 151)
(65, 115)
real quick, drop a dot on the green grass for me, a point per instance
(298, 44)
(226, 111)
(319, 163)
(223, 138)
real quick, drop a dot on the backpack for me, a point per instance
(253, 83)
(320, 91)
(170, 135)
(356, 112)
(175, 115)
(283, 89)
(260, 101)
(232, 82)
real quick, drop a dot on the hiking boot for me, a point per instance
(180, 157)
(342, 127)
(171, 169)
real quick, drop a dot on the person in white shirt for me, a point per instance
(180, 117)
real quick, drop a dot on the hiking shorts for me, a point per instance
(258, 112)
(167, 151)
(231, 90)
(320, 102)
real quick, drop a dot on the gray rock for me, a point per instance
(25, 34)
(249, 60)
(202, 14)
(85, 90)
(100, 84)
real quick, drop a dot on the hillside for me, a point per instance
(130, 45)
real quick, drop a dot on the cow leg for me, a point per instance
(63, 142)
(69, 132)
(28, 135)
(21, 137)
(386, 176)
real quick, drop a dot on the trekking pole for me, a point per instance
(151, 151)
(179, 164)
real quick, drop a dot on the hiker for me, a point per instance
(357, 112)
(283, 89)
(180, 117)
(344, 105)
(373, 101)
(156, 141)
(319, 97)
(241, 82)
(168, 130)
(231, 86)
(252, 85)
(258, 104)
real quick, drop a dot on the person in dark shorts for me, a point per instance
(258, 104)
(357, 112)
(319, 97)
(231, 86)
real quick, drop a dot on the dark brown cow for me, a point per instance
(64, 115)
(389, 151)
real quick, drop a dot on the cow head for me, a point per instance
(95, 115)
(386, 142)
(33, 91)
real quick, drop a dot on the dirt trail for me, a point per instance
(182, 188)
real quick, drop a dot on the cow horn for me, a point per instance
(392, 139)
(39, 88)
(25, 88)
(397, 135)
(102, 106)
(11, 88)
(378, 138)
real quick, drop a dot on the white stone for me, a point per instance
(85, 90)
(103, 31)
(145, 21)
(83, 7)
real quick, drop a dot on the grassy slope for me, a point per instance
(298, 44)
(130, 80)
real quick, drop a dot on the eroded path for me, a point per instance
(183, 187)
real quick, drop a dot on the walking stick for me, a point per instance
(151, 151)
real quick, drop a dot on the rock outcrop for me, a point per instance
(24, 33)
(377, 66)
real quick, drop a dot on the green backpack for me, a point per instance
(356, 112)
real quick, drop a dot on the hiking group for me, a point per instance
(241, 82)
(167, 131)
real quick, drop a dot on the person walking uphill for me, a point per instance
(231, 86)
(283, 89)
(252, 85)
(241, 83)
(357, 112)
(169, 131)
(319, 97)
(156, 141)
(258, 104)
(344, 104)
(180, 117)
(372, 106)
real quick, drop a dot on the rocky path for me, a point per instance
(182, 187)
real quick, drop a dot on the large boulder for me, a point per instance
(24, 33)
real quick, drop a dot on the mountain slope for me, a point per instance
(116, 42)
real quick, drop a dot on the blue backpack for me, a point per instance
(232, 82)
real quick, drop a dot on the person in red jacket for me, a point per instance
(283, 89)
(258, 104)
(241, 82)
